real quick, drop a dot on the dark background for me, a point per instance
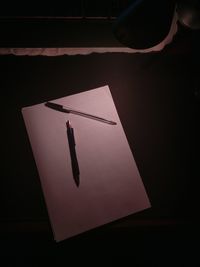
(68, 8)
(157, 98)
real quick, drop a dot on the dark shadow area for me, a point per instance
(142, 246)
(56, 33)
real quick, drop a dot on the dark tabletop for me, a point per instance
(157, 96)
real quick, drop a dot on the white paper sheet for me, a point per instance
(110, 184)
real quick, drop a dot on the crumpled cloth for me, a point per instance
(88, 50)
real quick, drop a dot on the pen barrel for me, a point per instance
(87, 115)
(72, 149)
(74, 162)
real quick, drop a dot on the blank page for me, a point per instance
(110, 184)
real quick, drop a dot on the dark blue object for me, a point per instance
(145, 23)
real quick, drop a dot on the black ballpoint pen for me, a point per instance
(74, 160)
(65, 109)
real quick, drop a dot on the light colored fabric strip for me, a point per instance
(88, 50)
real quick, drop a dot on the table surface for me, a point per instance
(157, 98)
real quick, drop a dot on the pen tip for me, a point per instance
(77, 181)
(68, 124)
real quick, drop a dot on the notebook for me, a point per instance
(110, 186)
